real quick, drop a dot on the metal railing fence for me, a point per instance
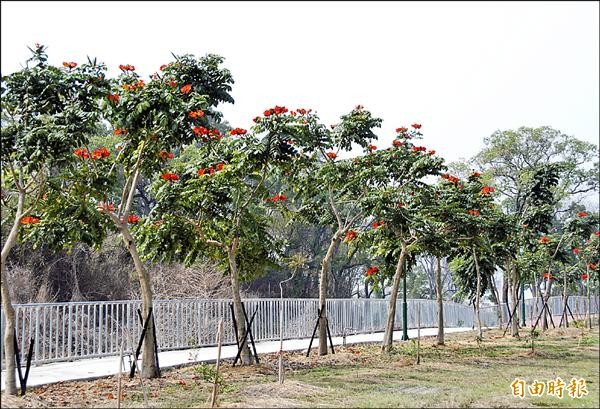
(75, 330)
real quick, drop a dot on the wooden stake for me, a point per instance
(218, 364)
(119, 373)
(418, 333)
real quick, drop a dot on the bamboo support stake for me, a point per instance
(418, 333)
(218, 364)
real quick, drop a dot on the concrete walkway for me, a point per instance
(107, 366)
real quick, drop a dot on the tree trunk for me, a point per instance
(440, 300)
(325, 269)
(545, 301)
(496, 300)
(589, 299)
(514, 288)
(149, 368)
(478, 295)
(9, 311)
(237, 302)
(564, 319)
(388, 336)
(505, 286)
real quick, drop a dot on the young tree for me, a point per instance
(397, 180)
(333, 190)
(46, 112)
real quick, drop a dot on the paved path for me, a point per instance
(107, 366)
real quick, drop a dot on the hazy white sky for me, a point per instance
(461, 69)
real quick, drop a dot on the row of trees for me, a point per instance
(180, 185)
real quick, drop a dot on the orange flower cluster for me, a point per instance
(351, 235)
(135, 86)
(475, 174)
(120, 131)
(450, 178)
(372, 271)
(487, 190)
(397, 143)
(372, 147)
(29, 220)
(548, 276)
(162, 67)
(115, 98)
(331, 155)
(401, 130)
(474, 212)
(544, 240)
(196, 114)
(82, 153)
(277, 198)
(100, 153)
(170, 176)
(132, 218)
(581, 214)
(70, 65)
(211, 133)
(584, 276)
(431, 152)
(164, 155)
(576, 251)
(186, 89)
(592, 266)
(210, 171)
(126, 67)
(303, 111)
(419, 149)
(277, 110)
(106, 206)
(238, 131)
(416, 126)
(378, 224)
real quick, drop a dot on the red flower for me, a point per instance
(277, 198)
(397, 143)
(431, 152)
(106, 206)
(548, 276)
(581, 214)
(120, 131)
(399, 205)
(331, 155)
(82, 153)
(351, 235)
(164, 155)
(114, 98)
(576, 251)
(158, 223)
(475, 174)
(301, 111)
(186, 89)
(378, 224)
(211, 171)
(220, 166)
(70, 65)
(592, 266)
(419, 149)
(200, 130)
(584, 276)
(196, 114)
(170, 176)
(173, 83)
(597, 233)
(29, 220)
(416, 126)
(201, 172)
(487, 190)
(544, 240)
(162, 67)
(372, 147)
(372, 270)
(127, 67)
(401, 130)
(474, 212)
(100, 153)
(267, 113)
(238, 131)
(132, 218)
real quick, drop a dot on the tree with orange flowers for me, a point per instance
(47, 111)
(330, 190)
(397, 200)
